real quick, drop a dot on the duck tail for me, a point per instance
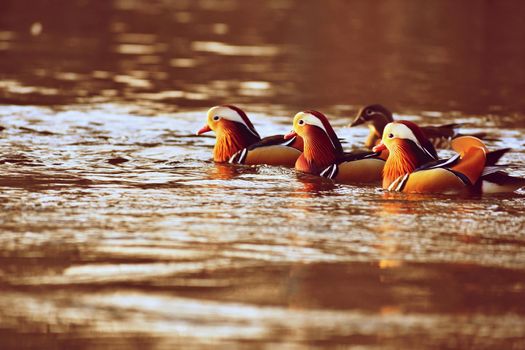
(463, 143)
(473, 154)
(501, 182)
(493, 157)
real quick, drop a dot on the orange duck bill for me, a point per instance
(203, 130)
(238, 142)
(413, 166)
(323, 154)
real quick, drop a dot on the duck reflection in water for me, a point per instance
(226, 171)
(222, 171)
(417, 203)
(313, 186)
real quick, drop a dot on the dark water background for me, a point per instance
(117, 231)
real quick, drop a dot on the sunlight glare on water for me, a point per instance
(168, 229)
(118, 231)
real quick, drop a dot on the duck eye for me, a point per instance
(369, 112)
(300, 122)
(216, 118)
(390, 136)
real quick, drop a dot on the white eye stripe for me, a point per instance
(229, 114)
(311, 119)
(403, 132)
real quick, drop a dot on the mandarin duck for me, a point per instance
(238, 142)
(377, 117)
(323, 154)
(409, 167)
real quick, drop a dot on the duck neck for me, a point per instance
(231, 140)
(297, 143)
(378, 124)
(400, 162)
(319, 153)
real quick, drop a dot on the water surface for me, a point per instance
(118, 231)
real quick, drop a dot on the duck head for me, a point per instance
(408, 147)
(376, 117)
(233, 131)
(376, 114)
(321, 144)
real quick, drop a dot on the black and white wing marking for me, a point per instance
(330, 172)
(351, 156)
(399, 184)
(239, 157)
(442, 163)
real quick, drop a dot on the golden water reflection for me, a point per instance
(118, 231)
(310, 54)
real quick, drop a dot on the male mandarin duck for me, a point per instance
(238, 142)
(377, 117)
(410, 167)
(323, 154)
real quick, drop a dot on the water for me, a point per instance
(118, 231)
